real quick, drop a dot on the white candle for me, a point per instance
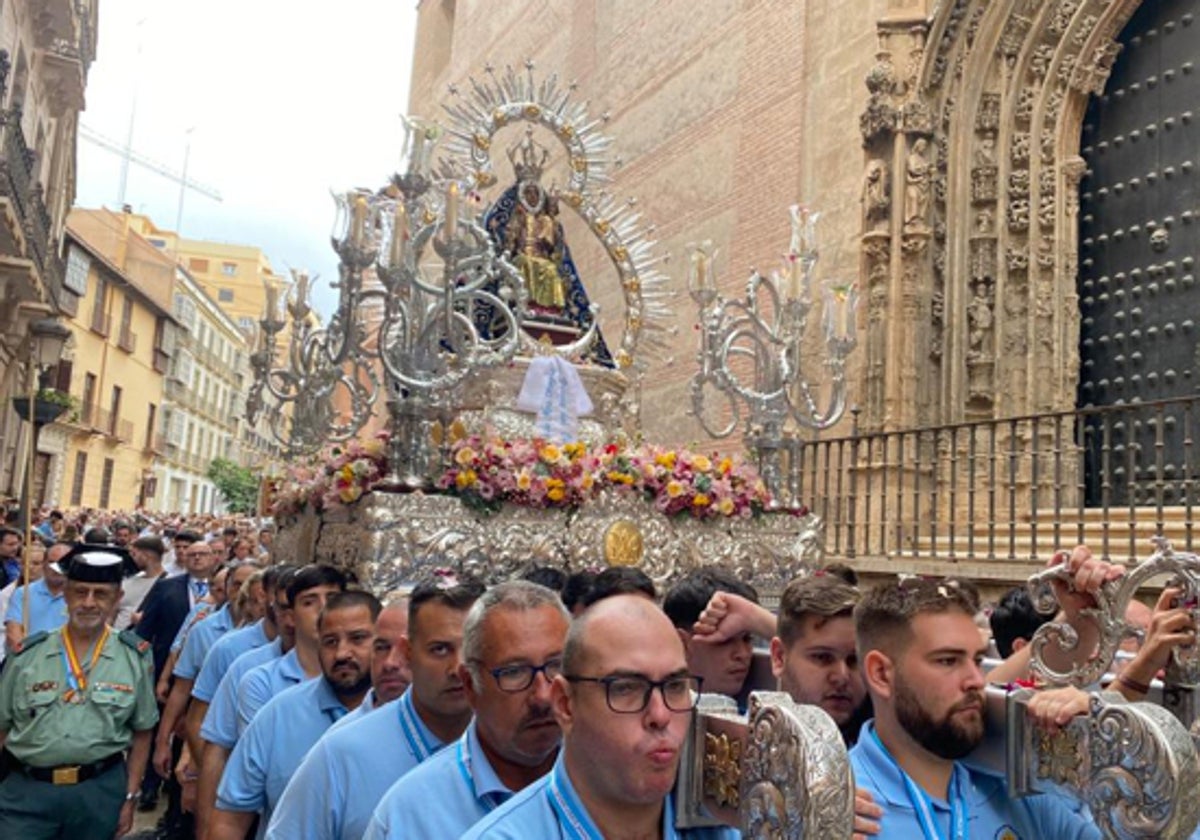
(272, 301)
(451, 221)
(358, 220)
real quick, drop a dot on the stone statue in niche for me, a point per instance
(985, 152)
(919, 175)
(877, 199)
(979, 321)
(985, 222)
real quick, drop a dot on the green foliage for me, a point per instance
(239, 485)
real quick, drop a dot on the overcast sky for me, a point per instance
(285, 100)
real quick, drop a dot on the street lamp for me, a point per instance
(48, 338)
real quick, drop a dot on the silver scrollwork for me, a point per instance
(796, 780)
(1109, 618)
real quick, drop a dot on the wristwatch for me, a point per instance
(129, 797)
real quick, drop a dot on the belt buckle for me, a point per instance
(65, 775)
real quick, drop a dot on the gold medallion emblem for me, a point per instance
(623, 544)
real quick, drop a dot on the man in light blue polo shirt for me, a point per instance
(196, 645)
(390, 675)
(285, 729)
(624, 701)
(342, 779)
(307, 594)
(47, 600)
(513, 634)
(921, 654)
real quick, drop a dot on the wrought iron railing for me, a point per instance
(1008, 492)
(18, 183)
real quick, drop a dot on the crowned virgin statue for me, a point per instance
(524, 224)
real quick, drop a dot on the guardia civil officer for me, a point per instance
(76, 710)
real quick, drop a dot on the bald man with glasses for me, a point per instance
(624, 701)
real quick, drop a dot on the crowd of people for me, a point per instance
(275, 701)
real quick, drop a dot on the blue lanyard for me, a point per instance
(577, 825)
(924, 806)
(421, 748)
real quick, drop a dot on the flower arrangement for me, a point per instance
(338, 476)
(487, 472)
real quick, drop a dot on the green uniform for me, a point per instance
(46, 731)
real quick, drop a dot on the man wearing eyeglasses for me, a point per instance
(512, 651)
(341, 780)
(624, 701)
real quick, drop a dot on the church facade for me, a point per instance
(1010, 185)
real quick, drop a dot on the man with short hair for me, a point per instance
(813, 652)
(72, 701)
(390, 676)
(1014, 621)
(921, 655)
(342, 779)
(170, 600)
(307, 594)
(219, 730)
(195, 648)
(147, 553)
(512, 650)
(122, 534)
(47, 601)
(723, 666)
(624, 701)
(276, 742)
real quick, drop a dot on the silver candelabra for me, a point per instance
(441, 319)
(751, 354)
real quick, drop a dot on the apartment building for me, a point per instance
(102, 452)
(46, 49)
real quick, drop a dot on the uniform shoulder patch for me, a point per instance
(31, 641)
(135, 641)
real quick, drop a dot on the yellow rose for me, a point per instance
(700, 463)
(465, 479)
(666, 459)
(348, 495)
(725, 507)
(556, 494)
(555, 484)
(464, 456)
(550, 453)
(674, 489)
(586, 482)
(700, 500)
(726, 466)
(524, 480)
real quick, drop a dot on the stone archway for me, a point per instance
(971, 201)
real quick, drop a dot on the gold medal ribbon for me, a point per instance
(76, 673)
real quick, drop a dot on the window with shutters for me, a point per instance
(106, 477)
(77, 479)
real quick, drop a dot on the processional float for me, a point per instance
(466, 320)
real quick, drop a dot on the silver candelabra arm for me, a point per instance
(1108, 615)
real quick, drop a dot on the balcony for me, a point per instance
(127, 339)
(27, 251)
(162, 361)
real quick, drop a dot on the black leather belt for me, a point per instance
(70, 774)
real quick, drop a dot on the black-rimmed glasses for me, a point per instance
(629, 694)
(514, 678)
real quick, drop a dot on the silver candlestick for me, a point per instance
(751, 354)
